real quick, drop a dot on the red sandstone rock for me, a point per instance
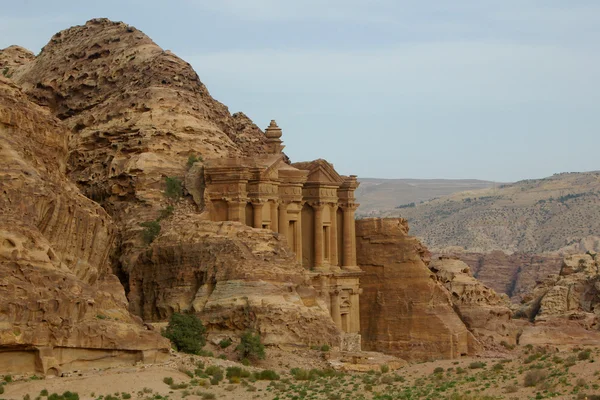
(405, 311)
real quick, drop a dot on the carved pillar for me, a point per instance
(274, 224)
(236, 211)
(257, 207)
(318, 208)
(283, 220)
(349, 239)
(333, 241)
(354, 312)
(298, 248)
(336, 313)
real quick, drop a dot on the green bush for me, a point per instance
(225, 343)
(384, 369)
(166, 213)
(192, 159)
(151, 231)
(174, 187)
(186, 332)
(267, 375)
(1, 389)
(325, 347)
(476, 365)
(438, 370)
(168, 380)
(534, 377)
(7, 378)
(44, 392)
(250, 346)
(584, 355)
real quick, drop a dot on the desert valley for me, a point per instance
(154, 245)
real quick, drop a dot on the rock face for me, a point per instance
(135, 114)
(405, 311)
(514, 274)
(486, 314)
(234, 277)
(61, 307)
(565, 308)
(12, 58)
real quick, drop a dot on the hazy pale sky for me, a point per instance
(490, 89)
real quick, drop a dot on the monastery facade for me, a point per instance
(307, 202)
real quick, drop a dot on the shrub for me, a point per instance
(498, 367)
(325, 347)
(186, 332)
(174, 187)
(44, 392)
(192, 159)
(1, 389)
(250, 346)
(384, 369)
(267, 375)
(7, 378)
(438, 370)
(166, 213)
(151, 231)
(477, 365)
(584, 355)
(534, 377)
(168, 380)
(27, 397)
(225, 343)
(460, 370)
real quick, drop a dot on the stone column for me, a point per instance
(333, 241)
(283, 220)
(336, 313)
(298, 248)
(349, 239)
(318, 208)
(354, 312)
(274, 224)
(236, 211)
(257, 207)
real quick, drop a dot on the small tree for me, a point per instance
(186, 332)
(151, 231)
(174, 188)
(250, 346)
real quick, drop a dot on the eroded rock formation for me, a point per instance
(136, 113)
(405, 311)
(565, 308)
(61, 307)
(487, 314)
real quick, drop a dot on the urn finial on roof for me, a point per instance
(273, 131)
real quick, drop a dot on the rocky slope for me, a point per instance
(515, 234)
(375, 195)
(60, 305)
(531, 216)
(411, 312)
(487, 314)
(565, 308)
(135, 114)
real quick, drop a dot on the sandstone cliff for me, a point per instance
(135, 114)
(565, 308)
(487, 314)
(405, 311)
(61, 307)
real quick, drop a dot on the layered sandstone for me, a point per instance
(565, 308)
(61, 308)
(405, 311)
(135, 114)
(234, 277)
(487, 314)
(13, 58)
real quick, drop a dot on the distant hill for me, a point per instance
(534, 215)
(376, 195)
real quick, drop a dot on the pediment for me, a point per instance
(321, 171)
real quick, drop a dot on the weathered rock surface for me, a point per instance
(566, 307)
(12, 58)
(235, 278)
(487, 314)
(60, 306)
(513, 274)
(135, 114)
(405, 311)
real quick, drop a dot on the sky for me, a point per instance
(498, 90)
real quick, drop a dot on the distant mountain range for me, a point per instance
(557, 213)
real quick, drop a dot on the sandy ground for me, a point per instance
(507, 382)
